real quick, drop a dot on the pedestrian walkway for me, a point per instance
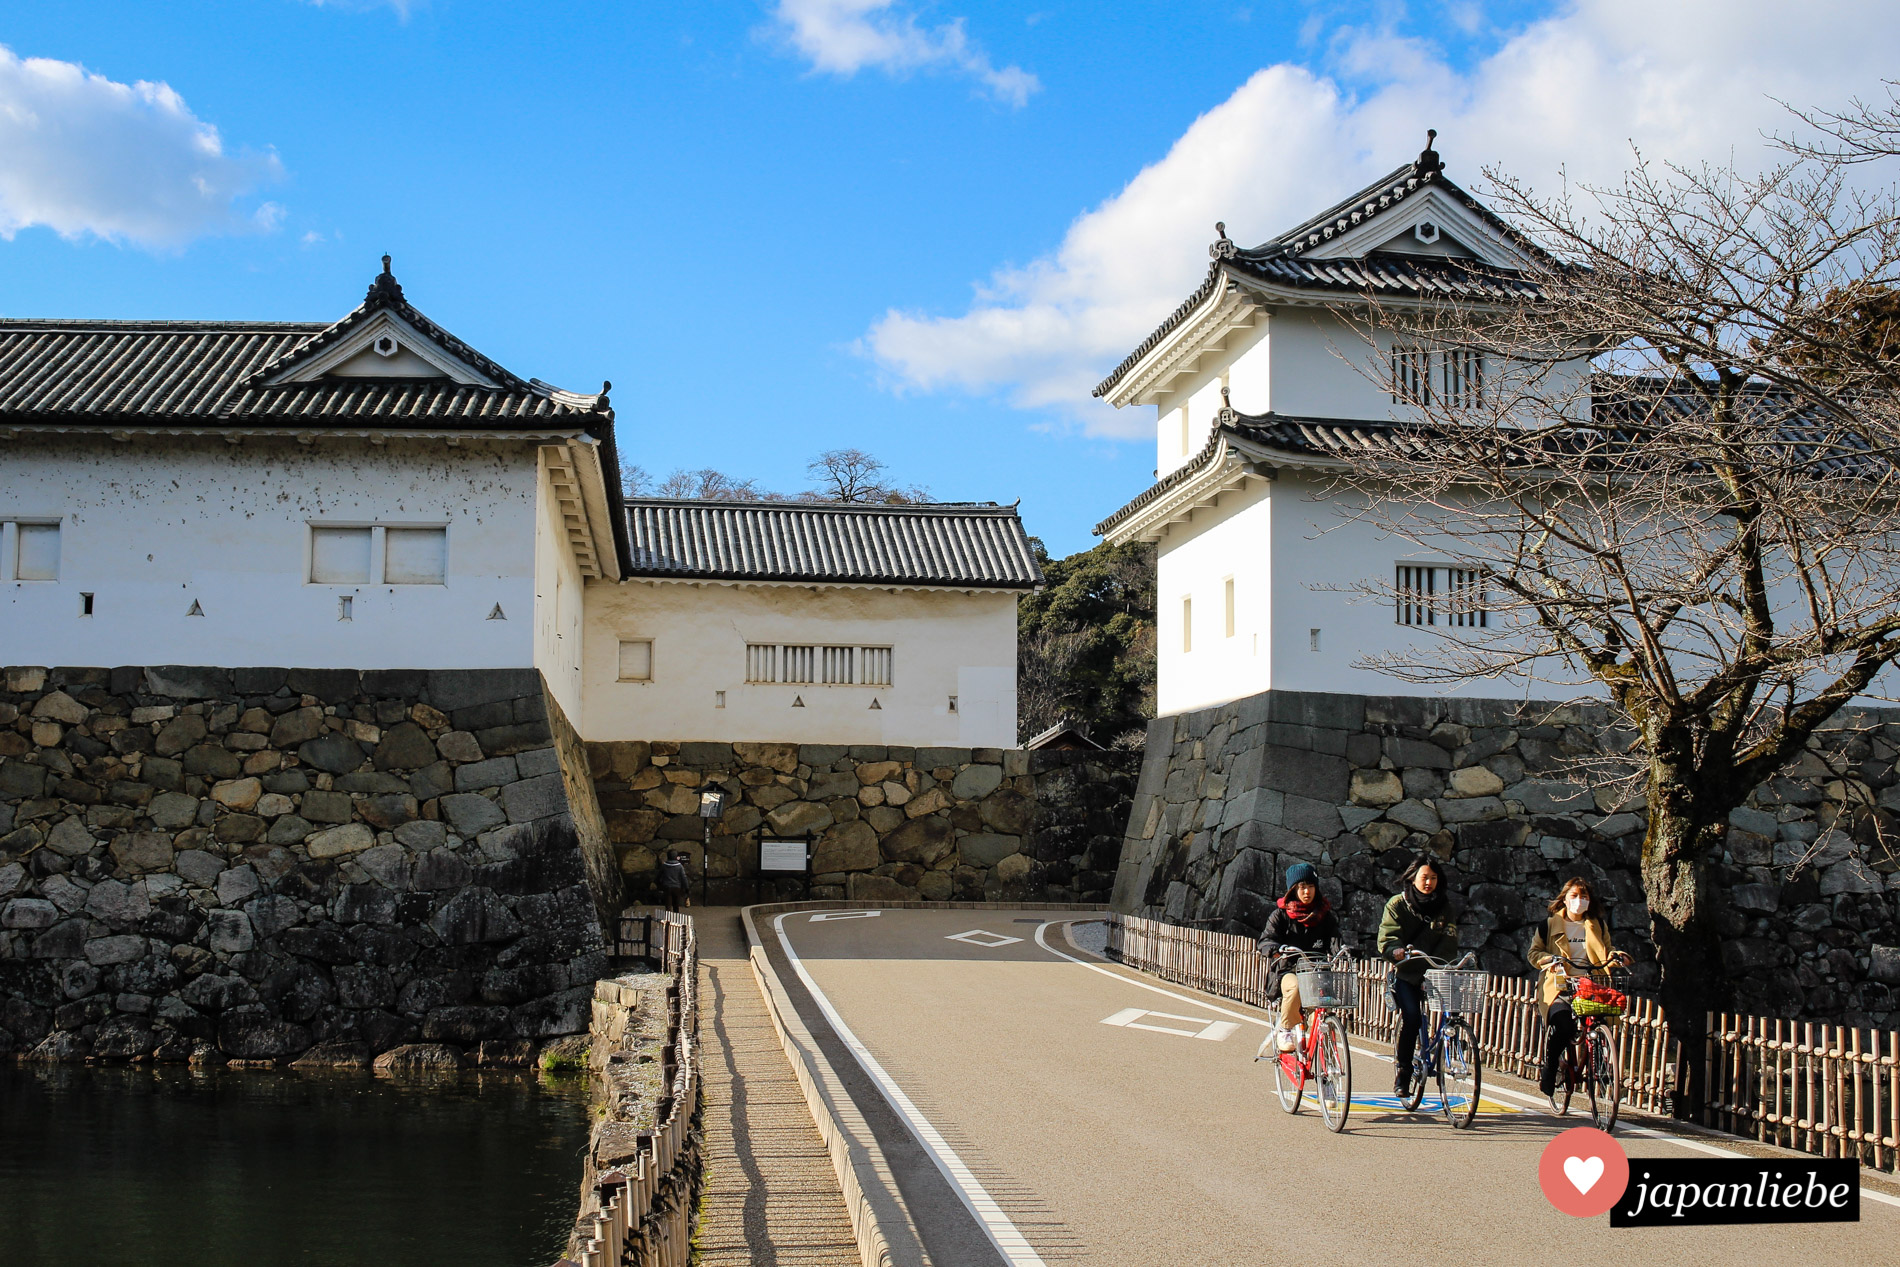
(771, 1195)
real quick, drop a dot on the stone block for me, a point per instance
(1416, 815)
(28, 913)
(179, 734)
(335, 842)
(1258, 805)
(1471, 810)
(921, 840)
(1884, 963)
(1008, 812)
(1376, 788)
(388, 811)
(230, 931)
(537, 761)
(1756, 897)
(1473, 781)
(422, 835)
(866, 887)
(851, 846)
(289, 830)
(1315, 818)
(335, 753)
(879, 772)
(364, 904)
(103, 951)
(478, 775)
(142, 851)
(1758, 821)
(973, 783)
(70, 838)
(1415, 752)
(986, 849)
(1851, 875)
(298, 726)
(1549, 796)
(332, 686)
(237, 885)
(237, 794)
(473, 916)
(271, 915)
(540, 797)
(469, 815)
(60, 707)
(404, 746)
(515, 737)
(1319, 775)
(796, 818)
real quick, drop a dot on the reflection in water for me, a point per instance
(156, 1167)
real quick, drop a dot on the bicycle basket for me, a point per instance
(1324, 986)
(1455, 990)
(1602, 1011)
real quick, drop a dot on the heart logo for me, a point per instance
(1583, 1172)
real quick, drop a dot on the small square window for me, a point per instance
(636, 660)
(415, 556)
(38, 553)
(339, 556)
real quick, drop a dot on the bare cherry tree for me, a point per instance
(852, 475)
(1662, 466)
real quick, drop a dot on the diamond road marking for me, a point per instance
(822, 916)
(984, 938)
(1212, 1031)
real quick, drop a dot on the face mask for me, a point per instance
(1577, 906)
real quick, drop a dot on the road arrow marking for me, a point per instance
(1211, 1030)
(989, 940)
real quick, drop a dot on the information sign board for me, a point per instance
(783, 855)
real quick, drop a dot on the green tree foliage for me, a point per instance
(1086, 645)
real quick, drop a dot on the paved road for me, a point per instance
(1075, 1141)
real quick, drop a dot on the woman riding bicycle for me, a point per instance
(1575, 941)
(1419, 917)
(1303, 923)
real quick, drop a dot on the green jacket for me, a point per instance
(1402, 926)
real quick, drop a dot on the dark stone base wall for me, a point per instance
(886, 823)
(247, 863)
(1230, 797)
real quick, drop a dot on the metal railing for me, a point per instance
(645, 1210)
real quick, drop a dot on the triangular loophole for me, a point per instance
(798, 701)
(497, 613)
(876, 707)
(195, 609)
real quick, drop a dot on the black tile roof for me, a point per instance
(127, 375)
(957, 545)
(1281, 262)
(1807, 437)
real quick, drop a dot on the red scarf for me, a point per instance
(1305, 914)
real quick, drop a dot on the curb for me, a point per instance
(885, 1234)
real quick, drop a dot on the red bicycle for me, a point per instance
(1591, 1061)
(1325, 1058)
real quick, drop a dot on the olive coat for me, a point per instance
(1437, 936)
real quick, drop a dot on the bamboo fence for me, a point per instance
(646, 1209)
(1831, 1090)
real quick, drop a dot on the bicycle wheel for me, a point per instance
(1289, 1079)
(1421, 1057)
(1332, 1066)
(1570, 1071)
(1460, 1072)
(1605, 1076)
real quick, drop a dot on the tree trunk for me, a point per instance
(1677, 852)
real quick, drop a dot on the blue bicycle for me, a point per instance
(1448, 1049)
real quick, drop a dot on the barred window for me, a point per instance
(1441, 596)
(1411, 376)
(813, 665)
(1464, 378)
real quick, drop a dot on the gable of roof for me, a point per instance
(1285, 262)
(960, 545)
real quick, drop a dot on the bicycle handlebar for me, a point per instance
(1412, 952)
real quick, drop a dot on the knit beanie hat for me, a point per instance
(1300, 873)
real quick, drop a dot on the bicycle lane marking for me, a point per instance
(1643, 1131)
(1003, 1234)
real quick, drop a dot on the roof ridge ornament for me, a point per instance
(1227, 415)
(1428, 163)
(1223, 247)
(385, 289)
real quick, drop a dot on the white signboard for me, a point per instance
(782, 855)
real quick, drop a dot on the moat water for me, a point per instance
(167, 1167)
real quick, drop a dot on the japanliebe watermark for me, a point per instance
(1699, 1191)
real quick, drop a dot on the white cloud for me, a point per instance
(1687, 80)
(842, 37)
(81, 154)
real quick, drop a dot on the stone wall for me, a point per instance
(1229, 797)
(887, 823)
(245, 863)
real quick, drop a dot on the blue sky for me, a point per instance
(923, 230)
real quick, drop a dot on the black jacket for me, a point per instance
(674, 876)
(1283, 935)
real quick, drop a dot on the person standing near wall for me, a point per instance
(674, 879)
(1419, 917)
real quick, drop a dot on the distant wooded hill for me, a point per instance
(1086, 645)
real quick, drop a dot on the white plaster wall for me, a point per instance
(1200, 394)
(1233, 538)
(559, 599)
(1320, 368)
(944, 644)
(149, 525)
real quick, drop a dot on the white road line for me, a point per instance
(1692, 1145)
(1003, 1234)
